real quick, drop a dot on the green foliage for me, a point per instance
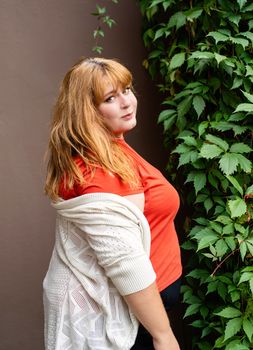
(103, 19)
(201, 56)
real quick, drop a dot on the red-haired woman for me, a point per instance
(116, 261)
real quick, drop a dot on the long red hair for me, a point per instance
(78, 128)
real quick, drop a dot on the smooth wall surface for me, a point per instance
(39, 41)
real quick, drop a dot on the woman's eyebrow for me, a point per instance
(110, 92)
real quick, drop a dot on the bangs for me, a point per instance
(114, 74)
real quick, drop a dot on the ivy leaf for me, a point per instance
(234, 18)
(248, 269)
(238, 130)
(228, 163)
(154, 53)
(249, 71)
(202, 55)
(198, 324)
(225, 220)
(212, 180)
(228, 229)
(109, 21)
(230, 242)
(177, 20)
(240, 229)
(198, 104)
(100, 11)
(239, 41)
(208, 203)
(222, 290)
(237, 207)
(219, 342)
(236, 345)
(198, 274)
(240, 148)
(236, 184)
(206, 330)
(236, 83)
(248, 96)
(165, 115)
(241, 3)
(98, 32)
(219, 58)
(184, 106)
(229, 312)
(237, 117)
(199, 181)
(243, 250)
(217, 141)
(97, 49)
(246, 276)
(244, 163)
(192, 309)
(221, 248)
(186, 158)
(181, 122)
(193, 14)
(218, 36)
(212, 287)
(160, 32)
(177, 60)
(166, 4)
(251, 285)
(190, 141)
(247, 327)
(249, 248)
(249, 190)
(244, 107)
(207, 240)
(181, 148)
(210, 151)
(167, 124)
(232, 327)
(202, 127)
(249, 8)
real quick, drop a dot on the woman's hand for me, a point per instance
(166, 342)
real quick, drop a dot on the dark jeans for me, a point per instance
(170, 296)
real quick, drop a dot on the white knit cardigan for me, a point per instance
(101, 253)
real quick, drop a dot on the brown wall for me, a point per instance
(39, 41)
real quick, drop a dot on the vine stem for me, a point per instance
(222, 262)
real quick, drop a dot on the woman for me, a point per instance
(107, 270)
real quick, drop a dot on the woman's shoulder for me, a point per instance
(96, 179)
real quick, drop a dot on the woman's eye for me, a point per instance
(127, 90)
(109, 99)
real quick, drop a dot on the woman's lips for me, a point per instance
(128, 116)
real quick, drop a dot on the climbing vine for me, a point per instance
(103, 20)
(200, 55)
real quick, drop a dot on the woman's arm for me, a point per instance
(147, 306)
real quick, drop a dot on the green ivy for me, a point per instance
(103, 19)
(200, 54)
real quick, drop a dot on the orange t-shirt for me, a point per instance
(161, 206)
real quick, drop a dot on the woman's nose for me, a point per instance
(124, 101)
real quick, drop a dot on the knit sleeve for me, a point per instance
(119, 250)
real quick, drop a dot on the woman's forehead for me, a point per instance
(109, 84)
(114, 80)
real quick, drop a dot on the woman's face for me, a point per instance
(118, 109)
